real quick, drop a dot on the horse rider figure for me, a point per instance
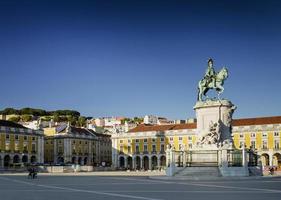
(210, 75)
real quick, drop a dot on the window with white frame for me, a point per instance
(276, 134)
(171, 139)
(137, 148)
(162, 139)
(264, 134)
(253, 135)
(145, 140)
(264, 144)
(180, 138)
(241, 144)
(153, 148)
(145, 148)
(121, 149)
(162, 147)
(276, 144)
(253, 144)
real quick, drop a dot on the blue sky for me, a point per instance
(131, 58)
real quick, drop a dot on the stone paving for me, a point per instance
(83, 186)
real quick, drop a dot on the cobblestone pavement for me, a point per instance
(133, 187)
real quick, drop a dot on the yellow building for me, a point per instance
(71, 145)
(144, 147)
(19, 145)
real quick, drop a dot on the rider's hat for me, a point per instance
(210, 60)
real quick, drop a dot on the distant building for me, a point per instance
(179, 121)
(71, 145)
(19, 145)
(150, 119)
(144, 147)
(154, 120)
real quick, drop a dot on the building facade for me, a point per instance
(19, 145)
(144, 147)
(71, 145)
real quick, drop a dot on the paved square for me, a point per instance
(98, 187)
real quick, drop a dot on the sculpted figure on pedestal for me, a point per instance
(213, 135)
(212, 80)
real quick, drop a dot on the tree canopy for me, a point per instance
(38, 112)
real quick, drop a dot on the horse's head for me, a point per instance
(223, 73)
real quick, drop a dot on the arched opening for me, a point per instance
(16, 159)
(33, 159)
(85, 160)
(6, 161)
(73, 160)
(24, 159)
(163, 161)
(265, 159)
(130, 162)
(60, 160)
(145, 163)
(80, 161)
(154, 162)
(138, 163)
(121, 162)
(277, 160)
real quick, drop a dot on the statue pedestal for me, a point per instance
(213, 111)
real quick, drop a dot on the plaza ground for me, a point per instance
(58, 187)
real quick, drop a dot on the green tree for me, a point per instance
(46, 118)
(72, 120)
(14, 119)
(26, 118)
(56, 117)
(82, 121)
(9, 111)
(138, 120)
(125, 120)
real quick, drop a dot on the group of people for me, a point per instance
(32, 172)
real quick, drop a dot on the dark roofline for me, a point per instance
(11, 124)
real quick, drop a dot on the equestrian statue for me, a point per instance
(212, 80)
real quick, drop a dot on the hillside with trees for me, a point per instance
(29, 114)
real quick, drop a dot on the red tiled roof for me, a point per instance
(235, 122)
(257, 121)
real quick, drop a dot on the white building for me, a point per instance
(150, 119)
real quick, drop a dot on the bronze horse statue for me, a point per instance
(204, 85)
